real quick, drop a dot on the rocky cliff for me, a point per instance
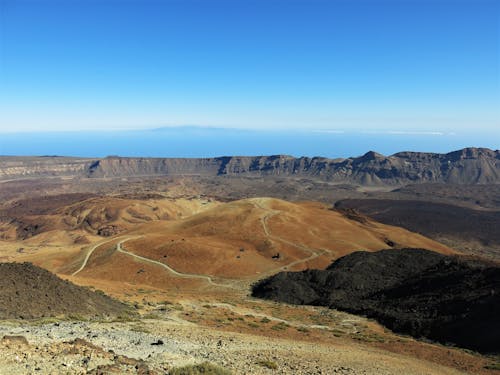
(467, 166)
(13, 167)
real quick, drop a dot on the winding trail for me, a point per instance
(87, 257)
(208, 279)
(120, 249)
(315, 253)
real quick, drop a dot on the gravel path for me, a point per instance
(89, 253)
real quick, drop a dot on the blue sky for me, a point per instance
(407, 65)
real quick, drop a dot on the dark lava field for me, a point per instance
(452, 300)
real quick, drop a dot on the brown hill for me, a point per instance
(168, 243)
(245, 239)
(32, 292)
(83, 214)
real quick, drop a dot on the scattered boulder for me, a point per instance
(109, 230)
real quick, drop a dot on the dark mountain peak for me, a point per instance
(371, 155)
(472, 153)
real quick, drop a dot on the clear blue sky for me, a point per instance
(416, 66)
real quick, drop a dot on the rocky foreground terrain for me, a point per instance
(413, 291)
(163, 346)
(92, 347)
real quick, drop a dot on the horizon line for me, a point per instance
(332, 131)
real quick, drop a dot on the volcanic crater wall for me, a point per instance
(467, 166)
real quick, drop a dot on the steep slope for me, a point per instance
(467, 166)
(32, 292)
(43, 166)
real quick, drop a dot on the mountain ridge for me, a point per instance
(466, 166)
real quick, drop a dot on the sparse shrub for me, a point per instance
(140, 328)
(205, 368)
(268, 364)
(280, 326)
(369, 338)
(78, 317)
(265, 320)
(302, 329)
(125, 318)
(493, 366)
(337, 332)
(46, 320)
(151, 315)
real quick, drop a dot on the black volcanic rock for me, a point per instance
(411, 291)
(467, 166)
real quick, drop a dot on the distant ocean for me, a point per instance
(209, 142)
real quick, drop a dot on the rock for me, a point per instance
(39, 293)
(412, 291)
(15, 340)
